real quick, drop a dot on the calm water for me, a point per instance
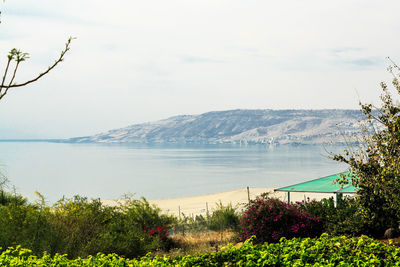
(157, 171)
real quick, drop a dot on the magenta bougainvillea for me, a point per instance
(271, 219)
(159, 231)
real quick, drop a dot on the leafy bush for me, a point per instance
(80, 227)
(349, 220)
(323, 251)
(271, 219)
(324, 208)
(223, 216)
(25, 224)
(78, 223)
(345, 219)
(142, 213)
(375, 163)
(88, 227)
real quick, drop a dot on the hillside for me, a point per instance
(240, 126)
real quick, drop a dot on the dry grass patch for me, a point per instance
(201, 242)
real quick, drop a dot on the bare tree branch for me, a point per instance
(12, 79)
(5, 74)
(61, 58)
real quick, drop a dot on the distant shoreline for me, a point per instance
(32, 140)
(67, 141)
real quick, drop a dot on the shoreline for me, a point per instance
(197, 205)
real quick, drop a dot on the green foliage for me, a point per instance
(322, 251)
(79, 227)
(222, 217)
(345, 219)
(7, 198)
(129, 231)
(225, 217)
(376, 165)
(323, 208)
(17, 55)
(140, 212)
(26, 225)
(78, 222)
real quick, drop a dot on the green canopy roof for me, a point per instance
(326, 184)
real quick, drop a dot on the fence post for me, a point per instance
(222, 229)
(248, 194)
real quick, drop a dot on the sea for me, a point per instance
(153, 171)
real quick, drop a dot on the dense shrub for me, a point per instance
(345, 219)
(225, 217)
(141, 212)
(26, 225)
(375, 164)
(350, 220)
(80, 227)
(78, 223)
(271, 219)
(324, 208)
(128, 232)
(323, 251)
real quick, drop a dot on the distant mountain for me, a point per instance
(241, 126)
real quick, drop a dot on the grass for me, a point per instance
(200, 242)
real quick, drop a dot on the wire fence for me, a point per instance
(190, 207)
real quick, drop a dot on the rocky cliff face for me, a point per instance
(241, 126)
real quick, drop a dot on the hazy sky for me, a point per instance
(137, 61)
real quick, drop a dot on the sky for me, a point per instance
(137, 61)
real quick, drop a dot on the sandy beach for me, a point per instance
(197, 205)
